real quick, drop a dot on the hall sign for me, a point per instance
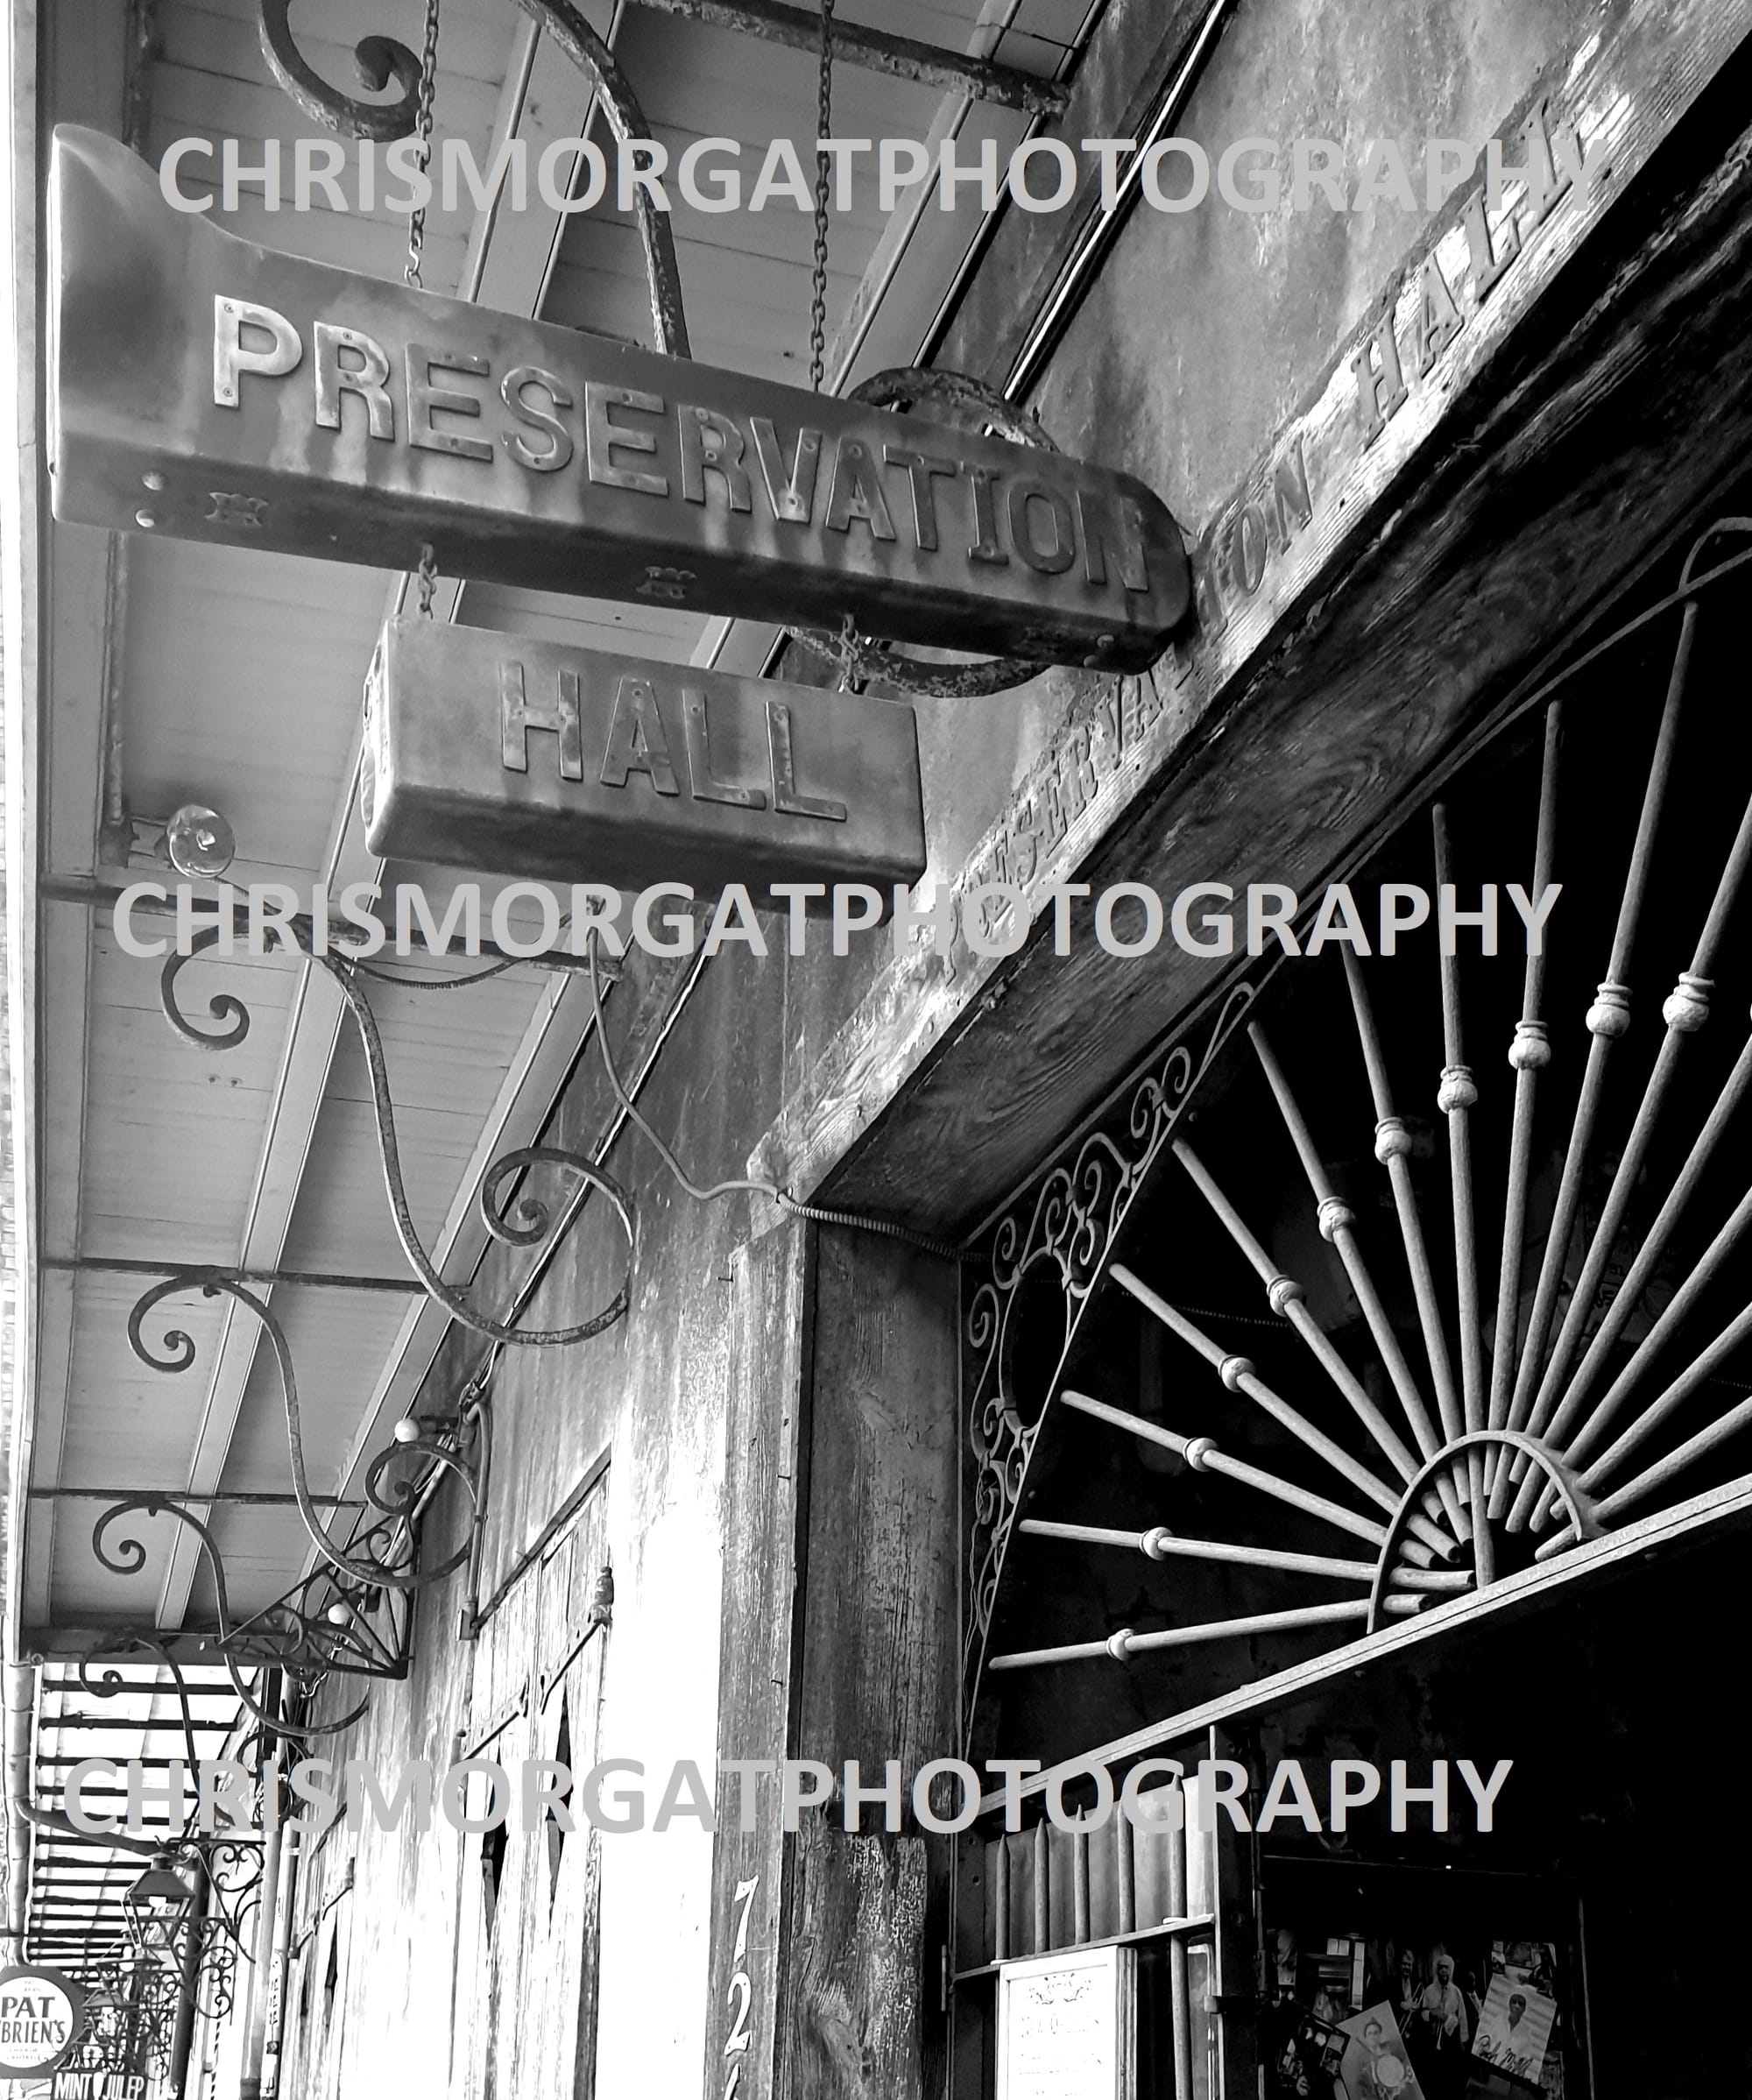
(40, 2015)
(208, 389)
(527, 757)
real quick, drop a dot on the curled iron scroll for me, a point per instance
(965, 400)
(179, 1355)
(109, 1683)
(526, 1223)
(626, 121)
(378, 59)
(536, 1218)
(288, 1643)
(398, 1499)
(224, 1006)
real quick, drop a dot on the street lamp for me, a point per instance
(157, 1907)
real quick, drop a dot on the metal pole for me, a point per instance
(226, 1497)
(282, 1964)
(262, 1978)
(183, 2040)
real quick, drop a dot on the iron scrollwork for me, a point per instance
(134, 1999)
(527, 1224)
(132, 2003)
(353, 1561)
(353, 1613)
(378, 59)
(619, 106)
(1059, 1234)
(224, 1006)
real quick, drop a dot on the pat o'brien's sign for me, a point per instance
(41, 2013)
(209, 389)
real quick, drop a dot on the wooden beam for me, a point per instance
(1438, 552)
(765, 1528)
(869, 1917)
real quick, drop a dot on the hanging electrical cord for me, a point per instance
(824, 166)
(817, 1213)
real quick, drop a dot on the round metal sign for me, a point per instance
(41, 2013)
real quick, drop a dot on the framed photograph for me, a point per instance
(1377, 2064)
(1515, 2028)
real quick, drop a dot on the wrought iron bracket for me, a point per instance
(353, 1613)
(526, 1222)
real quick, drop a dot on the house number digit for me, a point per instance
(741, 1995)
(739, 2037)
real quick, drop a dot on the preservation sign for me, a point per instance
(1067, 2026)
(206, 388)
(527, 758)
(40, 2015)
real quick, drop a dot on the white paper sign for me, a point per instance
(1067, 2026)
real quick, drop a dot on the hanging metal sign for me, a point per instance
(211, 390)
(41, 2011)
(527, 757)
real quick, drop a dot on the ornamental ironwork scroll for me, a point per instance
(381, 59)
(378, 60)
(220, 1927)
(524, 1225)
(1050, 1248)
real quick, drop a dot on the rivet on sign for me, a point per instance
(152, 479)
(145, 520)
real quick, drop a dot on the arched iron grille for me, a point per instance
(1399, 1355)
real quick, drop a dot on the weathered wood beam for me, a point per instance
(765, 1528)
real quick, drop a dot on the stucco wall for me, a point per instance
(1204, 330)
